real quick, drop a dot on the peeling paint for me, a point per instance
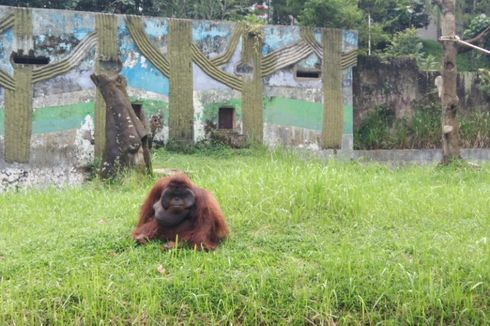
(276, 37)
(290, 103)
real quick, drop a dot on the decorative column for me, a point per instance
(107, 62)
(18, 102)
(252, 106)
(181, 108)
(332, 89)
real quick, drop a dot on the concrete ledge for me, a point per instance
(58, 149)
(419, 156)
(47, 150)
(405, 156)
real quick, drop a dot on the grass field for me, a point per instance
(311, 242)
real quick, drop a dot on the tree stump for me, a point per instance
(126, 131)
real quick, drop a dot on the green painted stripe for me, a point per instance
(66, 117)
(279, 111)
(295, 113)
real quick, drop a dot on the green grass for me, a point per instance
(381, 130)
(311, 242)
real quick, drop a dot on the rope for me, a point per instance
(457, 39)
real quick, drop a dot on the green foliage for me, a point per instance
(466, 61)
(475, 132)
(477, 25)
(390, 17)
(467, 10)
(196, 9)
(284, 11)
(312, 242)
(374, 130)
(428, 63)
(397, 15)
(485, 80)
(380, 130)
(405, 43)
(330, 13)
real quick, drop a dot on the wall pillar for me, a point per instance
(107, 62)
(181, 106)
(332, 89)
(18, 102)
(252, 105)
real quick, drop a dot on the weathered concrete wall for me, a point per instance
(401, 86)
(266, 73)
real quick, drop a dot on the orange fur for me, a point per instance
(204, 229)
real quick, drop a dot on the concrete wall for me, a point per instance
(76, 43)
(400, 86)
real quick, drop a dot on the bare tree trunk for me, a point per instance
(450, 101)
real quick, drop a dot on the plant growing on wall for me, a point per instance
(253, 67)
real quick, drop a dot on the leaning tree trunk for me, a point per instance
(450, 126)
(125, 129)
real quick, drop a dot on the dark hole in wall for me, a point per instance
(29, 59)
(311, 74)
(243, 68)
(226, 116)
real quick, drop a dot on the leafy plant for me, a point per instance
(475, 129)
(428, 63)
(330, 13)
(380, 129)
(374, 131)
(485, 80)
(477, 25)
(405, 43)
(408, 43)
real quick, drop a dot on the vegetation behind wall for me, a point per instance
(397, 106)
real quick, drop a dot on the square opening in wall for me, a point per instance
(308, 74)
(28, 59)
(226, 118)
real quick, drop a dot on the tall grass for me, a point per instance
(312, 242)
(381, 129)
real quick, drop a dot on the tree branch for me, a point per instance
(480, 38)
